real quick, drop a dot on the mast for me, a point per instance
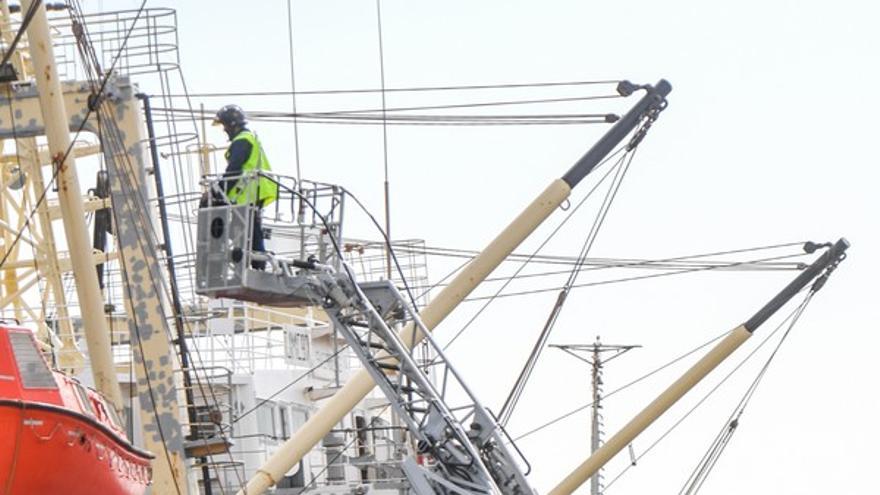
(357, 388)
(820, 268)
(73, 215)
(46, 249)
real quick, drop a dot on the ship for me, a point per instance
(217, 378)
(51, 419)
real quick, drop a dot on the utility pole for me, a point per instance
(594, 355)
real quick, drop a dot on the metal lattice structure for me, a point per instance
(475, 459)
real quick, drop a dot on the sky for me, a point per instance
(768, 139)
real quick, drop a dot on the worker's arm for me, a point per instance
(239, 151)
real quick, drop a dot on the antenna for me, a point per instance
(594, 355)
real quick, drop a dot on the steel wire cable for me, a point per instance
(293, 89)
(621, 388)
(600, 262)
(717, 447)
(89, 56)
(138, 217)
(638, 277)
(290, 384)
(519, 385)
(25, 22)
(113, 138)
(400, 90)
(361, 111)
(792, 316)
(540, 247)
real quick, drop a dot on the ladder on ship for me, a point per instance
(452, 458)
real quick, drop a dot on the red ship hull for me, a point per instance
(46, 449)
(57, 436)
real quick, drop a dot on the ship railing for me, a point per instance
(302, 222)
(145, 41)
(245, 337)
(210, 389)
(342, 460)
(409, 267)
(229, 470)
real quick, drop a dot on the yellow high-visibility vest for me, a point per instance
(250, 189)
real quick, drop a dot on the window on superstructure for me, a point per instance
(31, 366)
(298, 345)
(266, 418)
(282, 416)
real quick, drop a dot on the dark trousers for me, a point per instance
(258, 244)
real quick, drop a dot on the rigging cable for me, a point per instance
(384, 134)
(25, 22)
(89, 56)
(293, 89)
(631, 146)
(663, 263)
(638, 277)
(113, 138)
(388, 246)
(376, 114)
(468, 255)
(288, 385)
(621, 388)
(519, 385)
(539, 248)
(401, 90)
(789, 318)
(707, 463)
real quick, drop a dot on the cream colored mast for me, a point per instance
(46, 251)
(70, 199)
(320, 423)
(828, 261)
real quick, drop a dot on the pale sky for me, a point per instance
(768, 139)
